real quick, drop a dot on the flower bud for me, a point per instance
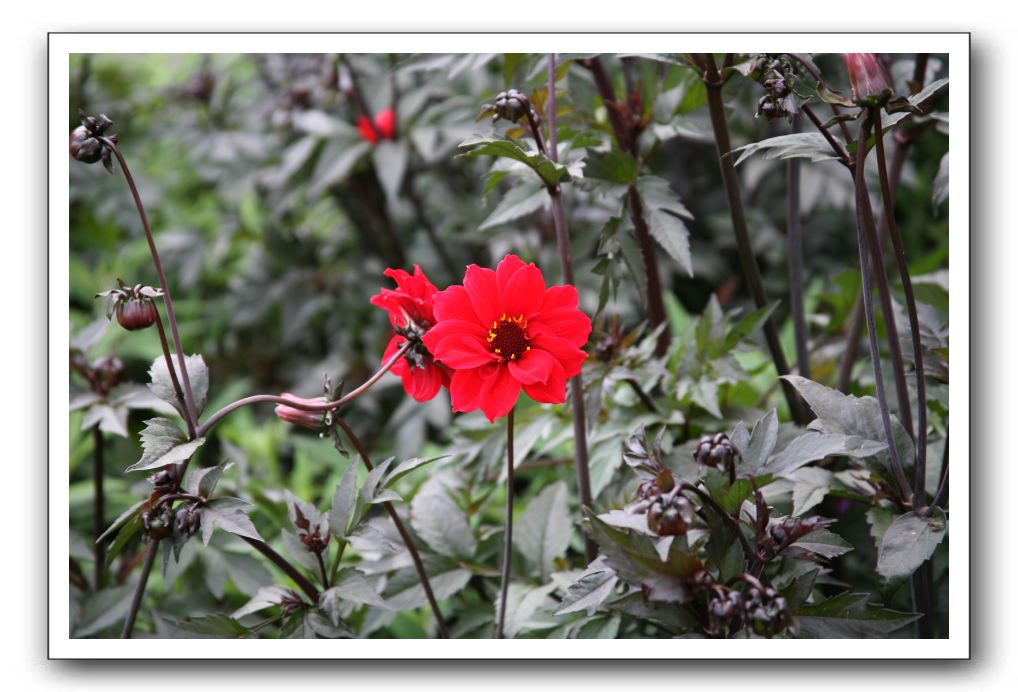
(717, 452)
(136, 313)
(871, 86)
(385, 122)
(511, 105)
(312, 420)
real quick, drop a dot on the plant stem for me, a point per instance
(358, 97)
(713, 82)
(919, 476)
(173, 376)
(733, 524)
(507, 553)
(204, 428)
(839, 149)
(324, 573)
(627, 141)
(795, 260)
(279, 561)
(566, 260)
(922, 596)
(157, 263)
(941, 495)
(139, 591)
(98, 505)
(862, 221)
(443, 628)
(339, 557)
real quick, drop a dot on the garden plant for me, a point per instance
(509, 345)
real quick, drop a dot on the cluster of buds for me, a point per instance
(670, 514)
(783, 532)
(767, 611)
(134, 306)
(86, 141)
(164, 482)
(510, 105)
(726, 611)
(757, 606)
(779, 101)
(310, 536)
(717, 452)
(188, 519)
(157, 524)
(413, 331)
(312, 420)
(102, 374)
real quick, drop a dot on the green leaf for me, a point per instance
(216, 625)
(665, 213)
(350, 585)
(909, 542)
(118, 523)
(390, 159)
(203, 482)
(544, 530)
(335, 163)
(266, 597)
(813, 446)
(405, 467)
(729, 496)
(809, 145)
(811, 487)
(522, 602)
(799, 590)
(344, 501)
(405, 591)
(442, 524)
(551, 173)
(162, 386)
(591, 589)
(824, 543)
(761, 441)
(228, 514)
(849, 616)
(617, 168)
(103, 609)
(164, 444)
(747, 325)
(527, 197)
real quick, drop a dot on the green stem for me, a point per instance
(507, 553)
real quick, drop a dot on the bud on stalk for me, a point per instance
(871, 86)
(312, 420)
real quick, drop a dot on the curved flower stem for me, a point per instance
(443, 628)
(173, 377)
(865, 239)
(566, 260)
(98, 505)
(713, 82)
(279, 561)
(326, 406)
(139, 591)
(157, 263)
(507, 553)
(919, 476)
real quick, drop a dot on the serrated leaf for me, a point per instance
(761, 442)
(551, 173)
(909, 542)
(849, 616)
(544, 530)
(215, 624)
(522, 602)
(128, 514)
(350, 585)
(824, 543)
(729, 496)
(813, 446)
(811, 487)
(162, 386)
(408, 593)
(344, 501)
(296, 549)
(443, 525)
(266, 597)
(590, 590)
(164, 444)
(524, 199)
(408, 465)
(809, 145)
(203, 482)
(228, 514)
(665, 215)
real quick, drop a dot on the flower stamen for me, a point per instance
(508, 337)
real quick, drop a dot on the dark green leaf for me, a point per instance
(203, 481)
(162, 386)
(809, 145)
(164, 444)
(590, 590)
(551, 173)
(665, 213)
(544, 531)
(344, 501)
(909, 541)
(228, 514)
(849, 616)
(442, 524)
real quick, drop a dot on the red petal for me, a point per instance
(482, 287)
(567, 323)
(465, 387)
(454, 304)
(460, 351)
(564, 351)
(364, 127)
(532, 367)
(509, 265)
(551, 392)
(560, 297)
(524, 292)
(423, 383)
(499, 394)
(447, 328)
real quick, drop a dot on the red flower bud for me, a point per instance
(385, 121)
(312, 420)
(871, 86)
(136, 313)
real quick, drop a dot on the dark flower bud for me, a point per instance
(85, 145)
(871, 85)
(136, 313)
(511, 105)
(717, 452)
(670, 515)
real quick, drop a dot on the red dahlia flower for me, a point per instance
(385, 121)
(411, 312)
(504, 330)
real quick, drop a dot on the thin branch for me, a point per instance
(732, 523)
(279, 561)
(507, 552)
(722, 140)
(98, 505)
(323, 407)
(838, 147)
(358, 97)
(139, 591)
(422, 574)
(157, 263)
(796, 288)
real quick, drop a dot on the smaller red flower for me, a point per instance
(385, 121)
(412, 313)
(504, 331)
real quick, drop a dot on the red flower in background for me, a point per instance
(411, 313)
(385, 121)
(503, 331)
